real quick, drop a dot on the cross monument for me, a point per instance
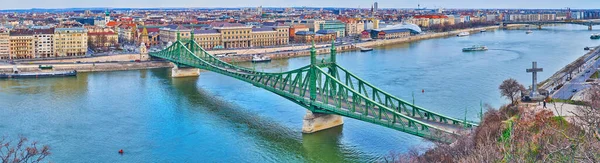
(534, 70)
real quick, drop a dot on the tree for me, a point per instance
(21, 152)
(511, 89)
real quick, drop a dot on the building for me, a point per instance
(106, 17)
(309, 36)
(4, 43)
(127, 33)
(43, 42)
(208, 39)
(235, 35)
(390, 33)
(144, 37)
(297, 28)
(354, 28)
(21, 44)
(336, 26)
(313, 25)
(103, 38)
(169, 33)
(70, 42)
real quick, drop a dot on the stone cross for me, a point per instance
(534, 70)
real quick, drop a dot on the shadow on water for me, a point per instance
(323, 146)
(63, 85)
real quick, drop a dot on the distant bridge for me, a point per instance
(542, 23)
(327, 90)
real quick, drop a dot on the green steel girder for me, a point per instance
(323, 91)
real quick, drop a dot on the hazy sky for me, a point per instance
(25, 4)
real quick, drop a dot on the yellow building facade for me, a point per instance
(4, 44)
(21, 44)
(70, 42)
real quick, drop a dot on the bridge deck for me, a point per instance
(332, 95)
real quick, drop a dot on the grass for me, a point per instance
(568, 101)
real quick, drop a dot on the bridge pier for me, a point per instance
(314, 122)
(179, 72)
(590, 27)
(539, 26)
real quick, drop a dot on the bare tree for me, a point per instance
(20, 152)
(588, 116)
(511, 89)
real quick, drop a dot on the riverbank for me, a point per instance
(290, 52)
(572, 78)
(124, 61)
(90, 67)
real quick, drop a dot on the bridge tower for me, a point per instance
(314, 122)
(179, 71)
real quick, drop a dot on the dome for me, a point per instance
(412, 27)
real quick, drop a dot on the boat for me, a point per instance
(260, 58)
(595, 36)
(529, 32)
(475, 48)
(463, 34)
(365, 49)
(39, 74)
(483, 30)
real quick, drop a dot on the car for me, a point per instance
(588, 71)
(574, 90)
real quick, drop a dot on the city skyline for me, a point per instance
(531, 4)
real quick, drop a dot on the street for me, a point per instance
(578, 82)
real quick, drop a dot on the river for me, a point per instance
(214, 118)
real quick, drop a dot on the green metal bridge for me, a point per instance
(325, 87)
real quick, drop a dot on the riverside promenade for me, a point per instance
(572, 78)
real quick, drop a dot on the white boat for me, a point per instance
(483, 30)
(259, 58)
(463, 34)
(365, 49)
(529, 32)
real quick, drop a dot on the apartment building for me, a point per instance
(70, 42)
(4, 43)
(21, 44)
(43, 42)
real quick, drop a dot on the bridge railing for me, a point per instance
(350, 102)
(388, 100)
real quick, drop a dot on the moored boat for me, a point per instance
(475, 48)
(365, 49)
(260, 58)
(483, 30)
(529, 32)
(595, 36)
(39, 74)
(463, 34)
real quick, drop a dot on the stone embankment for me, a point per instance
(89, 67)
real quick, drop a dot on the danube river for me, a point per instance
(214, 118)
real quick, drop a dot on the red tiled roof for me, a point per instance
(111, 24)
(431, 16)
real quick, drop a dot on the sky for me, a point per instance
(26, 4)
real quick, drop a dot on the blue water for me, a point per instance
(214, 118)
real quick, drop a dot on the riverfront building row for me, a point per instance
(228, 35)
(42, 43)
